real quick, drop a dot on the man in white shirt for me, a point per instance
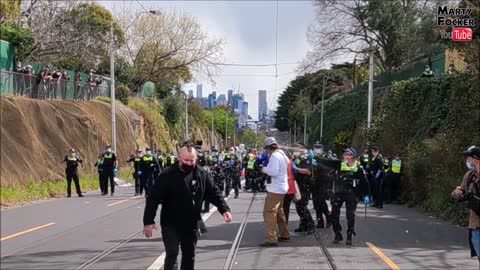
(277, 187)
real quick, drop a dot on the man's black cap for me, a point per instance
(472, 151)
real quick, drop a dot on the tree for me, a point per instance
(9, 11)
(393, 27)
(70, 32)
(123, 69)
(169, 49)
(21, 39)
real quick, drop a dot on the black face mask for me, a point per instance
(187, 168)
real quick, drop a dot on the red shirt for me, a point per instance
(291, 183)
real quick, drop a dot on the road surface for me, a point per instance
(98, 232)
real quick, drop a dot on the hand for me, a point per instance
(366, 200)
(457, 193)
(227, 216)
(139, 173)
(148, 230)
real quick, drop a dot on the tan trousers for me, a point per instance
(273, 214)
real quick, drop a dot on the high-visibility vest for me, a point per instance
(396, 166)
(137, 159)
(346, 168)
(108, 155)
(172, 159)
(69, 158)
(250, 163)
(385, 165)
(146, 158)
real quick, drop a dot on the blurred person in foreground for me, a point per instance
(469, 190)
(181, 189)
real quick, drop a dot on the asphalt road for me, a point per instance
(98, 232)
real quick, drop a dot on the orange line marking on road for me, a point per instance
(383, 256)
(27, 231)
(122, 201)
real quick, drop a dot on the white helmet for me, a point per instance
(269, 141)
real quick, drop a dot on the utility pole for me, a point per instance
(304, 127)
(325, 78)
(370, 87)
(112, 89)
(186, 117)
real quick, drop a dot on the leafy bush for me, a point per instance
(123, 94)
(429, 121)
(21, 39)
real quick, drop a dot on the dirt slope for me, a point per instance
(36, 134)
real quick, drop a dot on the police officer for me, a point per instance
(376, 175)
(427, 73)
(99, 165)
(262, 161)
(249, 165)
(321, 187)
(148, 170)
(71, 170)
(365, 160)
(395, 172)
(160, 159)
(171, 159)
(136, 159)
(232, 172)
(110, 164)
(349, 182)
(302, 170)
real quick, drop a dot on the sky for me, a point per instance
(248, 28)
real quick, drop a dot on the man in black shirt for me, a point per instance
(71, 170)
(181, 190)
(110, 164)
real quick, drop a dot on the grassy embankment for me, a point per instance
(38, 190)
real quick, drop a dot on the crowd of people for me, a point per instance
(288, 175)
(55, 83)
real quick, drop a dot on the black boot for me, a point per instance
(338, 238)
(349, 237)
(320, 224)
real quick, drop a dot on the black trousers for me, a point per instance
(108, 175)
(249, 176)
(138, 184)
(287, 201)
(206, 206)
(381, 189)
(146, 181)
(319, 198)
(175, 238)
(100, 182)
(351, 204)
(74, 176)
(306, 220)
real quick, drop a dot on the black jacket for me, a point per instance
(180, 206)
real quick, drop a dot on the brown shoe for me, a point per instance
(268, 244)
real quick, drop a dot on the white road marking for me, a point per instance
(158, 263)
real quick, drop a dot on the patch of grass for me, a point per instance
(37, 190)
(102, 99)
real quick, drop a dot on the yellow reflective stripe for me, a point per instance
(396, 165)
(346, 168)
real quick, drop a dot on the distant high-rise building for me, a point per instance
(222, 100)
(212, 99)
(245, 109)
(190, 93)
(262, 104)
(199, 91)
(237, 103)
(230, 95)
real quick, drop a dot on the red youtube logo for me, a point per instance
(462, 34)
